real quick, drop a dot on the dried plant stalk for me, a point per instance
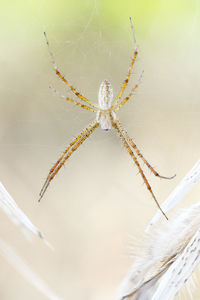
(169, 254)
(188, 182)
(20, 265)
(17, 216)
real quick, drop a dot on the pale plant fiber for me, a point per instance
(17, 216)
(187, 183)
(169, 254)
(20, 265)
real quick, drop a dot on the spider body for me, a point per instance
(105, 115)
(105, 97)
(106, 119)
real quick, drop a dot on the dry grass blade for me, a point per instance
(180, 270)
(190, 180)
(16, 215)
(168, 255)
(20, 265)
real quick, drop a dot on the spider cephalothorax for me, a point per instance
(106, 119)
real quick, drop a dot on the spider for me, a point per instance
(105, 118)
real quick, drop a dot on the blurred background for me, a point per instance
(98, 200)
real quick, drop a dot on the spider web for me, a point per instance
(35, 127)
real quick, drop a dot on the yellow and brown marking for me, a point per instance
(115, 125)
(66, 154)
(106, 118)
(74, 91)
(139, 153)
(126, 99)
(81, 105)
(126, 80)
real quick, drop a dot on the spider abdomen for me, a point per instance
(105, 95)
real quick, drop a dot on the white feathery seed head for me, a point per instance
(170, 253)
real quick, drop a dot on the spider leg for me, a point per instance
(73, 146)
(130, 68)
(73, 101)
(139, 153)
(123, 139)
(63, 78)
(130, 94)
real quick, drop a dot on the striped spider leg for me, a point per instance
(68, 152)
(106, 119)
